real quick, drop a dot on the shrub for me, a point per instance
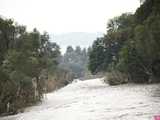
(116, 78)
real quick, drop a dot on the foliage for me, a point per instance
(131, 45)
(105, 51)
(75, 61)
(97, 56)
(26, 60)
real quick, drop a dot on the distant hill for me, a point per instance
(82, 39)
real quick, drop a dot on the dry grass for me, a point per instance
(116, 78)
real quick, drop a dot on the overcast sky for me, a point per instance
(61, 16)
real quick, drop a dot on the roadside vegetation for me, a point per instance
(31, 65)
(28, 67)
(131, 47)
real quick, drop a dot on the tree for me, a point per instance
(97, 56)
(7, 31)
(131, 45)
(75, 61)
(26, 61)
(105, 51)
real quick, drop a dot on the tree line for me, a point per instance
(28, 66)
(75, 61)
(130, 50)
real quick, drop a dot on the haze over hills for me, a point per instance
(83, 39)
